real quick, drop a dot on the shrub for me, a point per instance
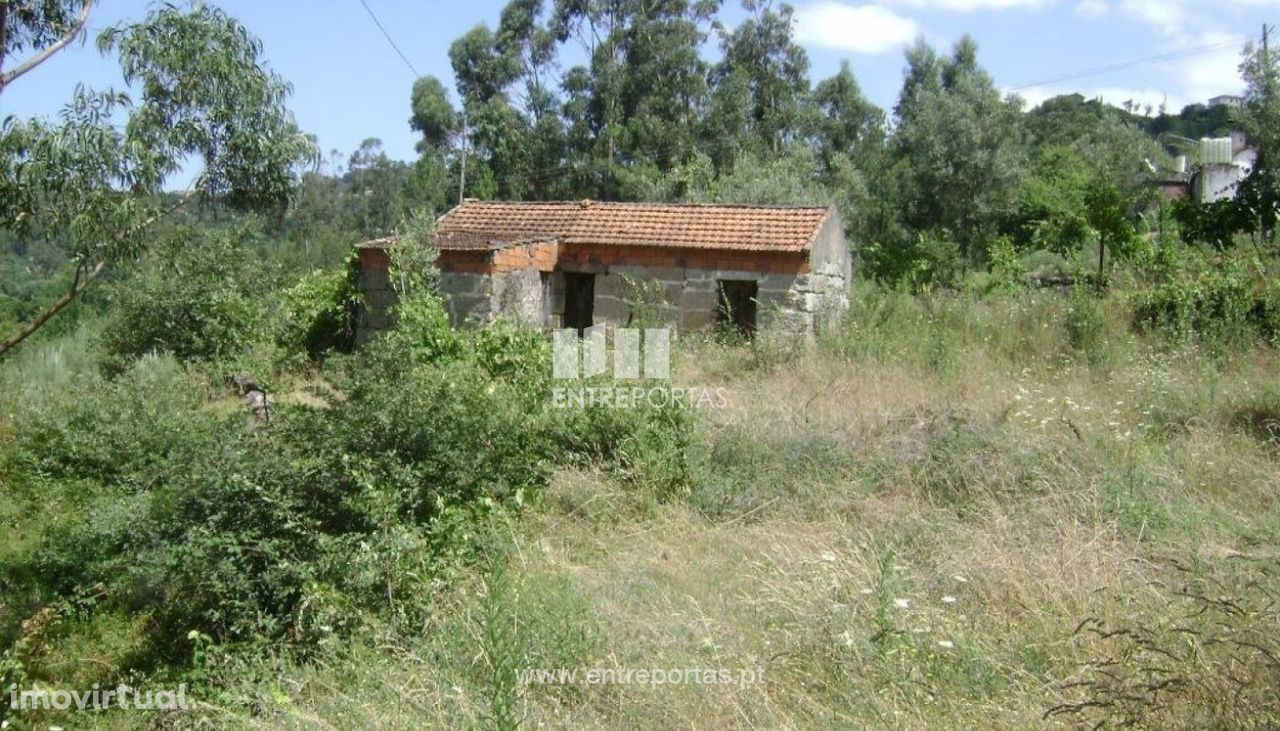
(1215, 303)
(319, 313)
(196, 297)
(422, 329)
(1006, 269)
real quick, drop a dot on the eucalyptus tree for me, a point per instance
(1259, 196)
(94, 180)
(766, 71)
(848, 134)
(636, 102)
(960, 146)
(496, 132)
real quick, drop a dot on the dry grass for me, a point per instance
(903, 528)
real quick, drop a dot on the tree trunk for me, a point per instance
(61, 304)
(44, 54)
(84, 278)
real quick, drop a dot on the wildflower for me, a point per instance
(946, 644)
(948, 599)
(902, 603)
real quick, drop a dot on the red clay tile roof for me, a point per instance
(490, 224)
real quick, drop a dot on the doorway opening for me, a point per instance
(736, 307)
(579, 300)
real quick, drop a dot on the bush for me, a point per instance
(422, 329)
(1216, 303)
(196, 297)
(319, 313)
(184, 514)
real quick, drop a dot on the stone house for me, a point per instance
(576, 264)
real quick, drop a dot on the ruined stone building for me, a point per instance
(579, 263)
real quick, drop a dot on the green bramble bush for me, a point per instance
(198, 297)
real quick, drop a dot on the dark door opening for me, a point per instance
(736, 309)
(579, 300)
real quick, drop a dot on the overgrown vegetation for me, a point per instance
(977, 503)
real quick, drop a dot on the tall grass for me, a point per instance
(954, 512)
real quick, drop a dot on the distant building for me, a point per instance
(1173, 188)
(568, 264)
(1227, 100)
(1224, 162)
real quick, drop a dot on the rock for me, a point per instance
(244, 383)
(261, 405)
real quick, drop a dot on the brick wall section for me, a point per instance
(477, 262)
(800, 291)
(538, 256)
(374, 282)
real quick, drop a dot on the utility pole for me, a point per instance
(1268, 178)
(462, 176)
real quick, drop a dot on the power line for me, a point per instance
(1184, 53)
(390, 40)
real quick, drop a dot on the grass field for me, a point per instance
(954, 514)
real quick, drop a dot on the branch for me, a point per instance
(84, 277)
(44, 54)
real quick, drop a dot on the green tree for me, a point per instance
(1051, 211)
(202, 94)
(960, 145)
(433, 114)
(1260, 194)
(375, 185)
(849, 137)
(765, 70)
(1108, 214)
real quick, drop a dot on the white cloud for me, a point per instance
(1170, 17)
(1213, 73)
(965, 6)
(855, 28)
(1092, 8)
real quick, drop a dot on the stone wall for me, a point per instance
(823, 294)
(691, 295)
(520, 296)
(374, 283)
(477, 299)
(798, 295)
(468, 297)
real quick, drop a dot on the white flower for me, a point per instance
(946, 644)
(902, 603)
(948, 599)
(846, 639)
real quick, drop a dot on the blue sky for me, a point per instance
(349, 83)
